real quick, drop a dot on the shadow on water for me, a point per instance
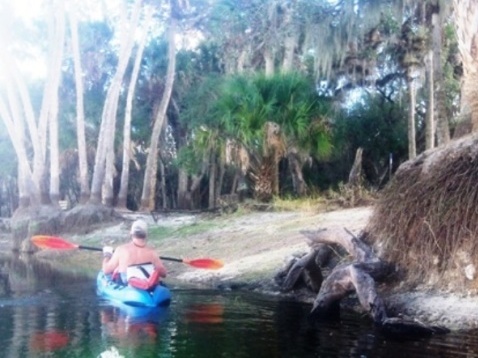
(52, 311)
(23, 275)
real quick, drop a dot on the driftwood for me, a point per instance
(358, 275)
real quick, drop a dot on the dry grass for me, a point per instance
(308, 204)
(341, 198)
(427, 218)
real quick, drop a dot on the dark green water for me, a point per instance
(45, 313)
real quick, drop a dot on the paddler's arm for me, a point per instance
(158, 265)
(110, 263)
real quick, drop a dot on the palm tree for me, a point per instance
(302, 116)
(271, 118)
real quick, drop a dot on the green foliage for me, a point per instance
(244, 108)
(248, 102)
(240, 108)
(199, 104)
(451, 71)
(379, 127)
(189, 159)
(302, 114)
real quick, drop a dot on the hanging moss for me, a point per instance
(333, 29)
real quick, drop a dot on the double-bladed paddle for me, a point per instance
(58, 243)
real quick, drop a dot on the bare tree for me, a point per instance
(123, 191)
(80, 112)
(149, 182)
(19, 117)
(102, 182)
(57, 56)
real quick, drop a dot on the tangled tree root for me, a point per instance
(358, 276)
(427, 219)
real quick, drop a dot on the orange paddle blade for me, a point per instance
(212, 264)
(52, 242)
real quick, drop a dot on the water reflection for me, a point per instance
(48, 311)
(48, 341)
(22, 274)
(205, 313)
(131, 325)
(34, 318)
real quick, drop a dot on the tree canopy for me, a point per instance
(206, 98)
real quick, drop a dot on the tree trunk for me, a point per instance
(164, 192)
(290, 47)
(441, 115)
(291, 37)
(299, 184)
(149, 175)
(16, 134)
(220, 181)
(241, 61)
(430, 118)
(33, 180)
(49, 108)
(123, 191)
(355, 175)
(269, 62)
(275, 175)
(27, 185)
(127, 42)
(53, 112)
(466, 23)
(263, 179)
(268, 45)
(184, 199)
(153, 182)
(80, 112)
(212, 182)
(102, 172)
(412, 148)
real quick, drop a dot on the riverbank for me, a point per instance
(255, 246)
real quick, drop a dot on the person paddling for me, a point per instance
(135, 258)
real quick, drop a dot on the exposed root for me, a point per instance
(358, 276)
(427, 218)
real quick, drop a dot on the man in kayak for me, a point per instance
(134, 256)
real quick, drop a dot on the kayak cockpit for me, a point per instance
(149, 296)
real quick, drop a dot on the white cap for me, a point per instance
(139, 228)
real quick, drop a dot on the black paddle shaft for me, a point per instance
(91, 248)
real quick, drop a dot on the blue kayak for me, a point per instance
(128, 295)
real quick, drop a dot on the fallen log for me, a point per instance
(359, 274)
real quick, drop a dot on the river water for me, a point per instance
(45, 312)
